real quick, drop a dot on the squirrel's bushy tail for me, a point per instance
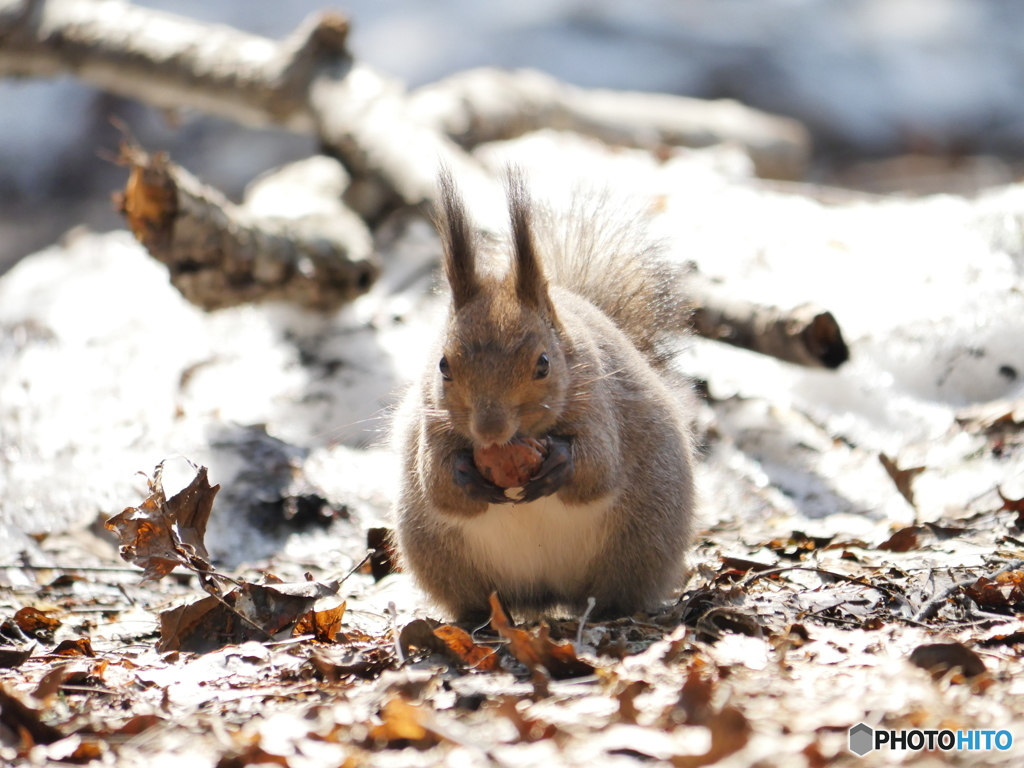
(601, 250)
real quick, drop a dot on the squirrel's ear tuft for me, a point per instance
(531, 285)
(457, 239)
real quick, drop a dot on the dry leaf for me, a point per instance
(39, 624)
(904, 540)
(248, 612)
(1002, 594)
(938, 658)
(335, 663)
(626, 697)
(1013, 505)
(473, 656)
(323, 625)
(402, 720)
(903, 478)
(11, 658)
(530, 729)
(24, 720)
(730, 732)
(79, 647)
(150, 198)
(453, 643)
(538, 651)
(162, 533)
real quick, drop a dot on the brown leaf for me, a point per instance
(530, 729)
(992, 416)
(626, 698)
(323, 625)
(11, 658)
(694, 704)
(79, 647)
(150, 198)
(730, 732)
(248, 612)
(137, 724)
(38, 624)
(335, 663)
(21, 718)
(1011, 639)
(905, 539)
(402, 720)
(538, 651)
(1003, 593)
(1013, 505)
(938, 658)
(50, 683)
(473, 656)
(453, 643)
(903, 478)
(162, 533)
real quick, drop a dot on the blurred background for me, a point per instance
(912, 96)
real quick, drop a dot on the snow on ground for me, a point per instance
(105, 370)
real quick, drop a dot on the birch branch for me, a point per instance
(807, 335)
(490, 104)
(307, 82)
(220, 255)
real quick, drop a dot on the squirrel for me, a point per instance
(570, 343)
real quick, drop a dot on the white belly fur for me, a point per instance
(544, 542)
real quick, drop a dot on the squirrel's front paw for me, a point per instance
(476, 486)
(555, 472)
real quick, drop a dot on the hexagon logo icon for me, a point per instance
(862, 738)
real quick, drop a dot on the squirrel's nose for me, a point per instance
(492, 425)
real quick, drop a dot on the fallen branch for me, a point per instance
(220, 255)
(807, 335)
(491, 105)
(309, 82)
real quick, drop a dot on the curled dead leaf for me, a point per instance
(79, 647)
(323, 625)
(162, 533)
(451, 642)
(38, 624)
(538, 651)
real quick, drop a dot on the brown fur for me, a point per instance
(603, 327)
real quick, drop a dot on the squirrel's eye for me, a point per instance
(446, 371)
(542, 367)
